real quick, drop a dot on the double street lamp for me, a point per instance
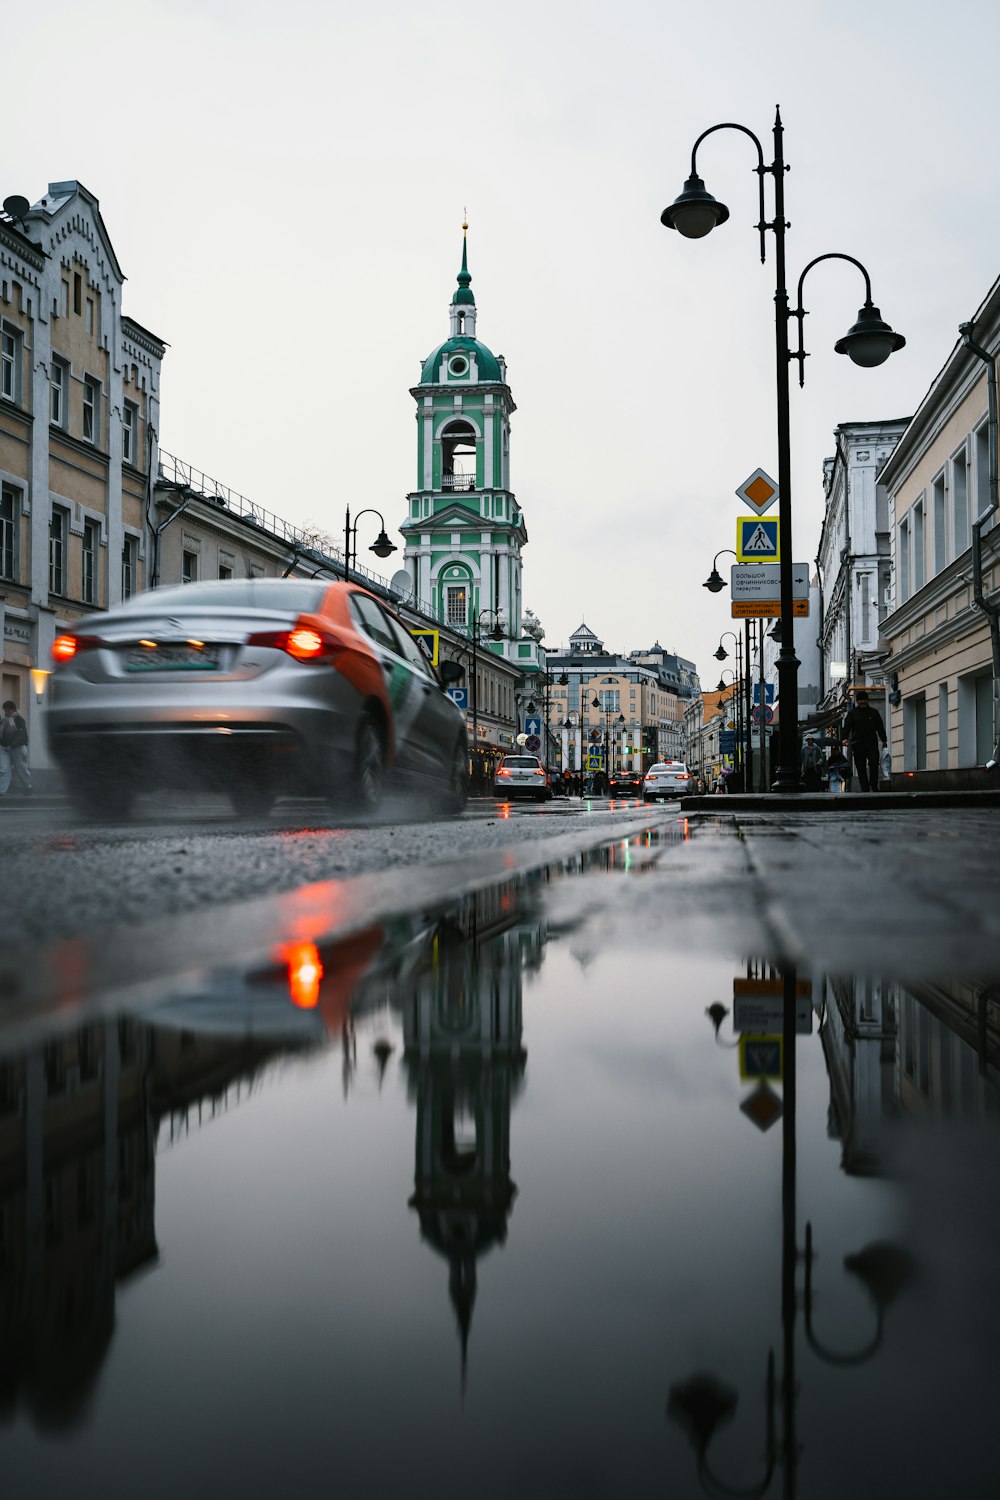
(381, 546)
(869, 342)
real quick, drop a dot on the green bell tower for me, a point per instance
(464, 530)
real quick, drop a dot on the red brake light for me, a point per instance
(504, 771)
(304, 642)
(65, 647)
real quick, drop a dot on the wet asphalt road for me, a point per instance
(186, 889)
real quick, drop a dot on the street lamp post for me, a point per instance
(496, 634)
(743, 715)
(381, 546)
(695, 213)
(547, 681)
(606, 713)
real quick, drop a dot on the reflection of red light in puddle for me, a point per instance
(504, 810)
(304, 973)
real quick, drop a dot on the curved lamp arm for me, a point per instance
(715, 582)
(760, 169)
(861, 340)
(831, 1356)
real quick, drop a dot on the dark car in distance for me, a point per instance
(625, 784)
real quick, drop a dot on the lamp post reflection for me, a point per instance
(702, 1404)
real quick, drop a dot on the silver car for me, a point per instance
(668, 778)
(254, 687)
(521, 776)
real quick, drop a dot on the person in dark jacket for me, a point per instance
(13, 750)
(864, 733)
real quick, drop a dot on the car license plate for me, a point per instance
(179, 657)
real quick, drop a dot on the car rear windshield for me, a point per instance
(297, 595)
(521, 760)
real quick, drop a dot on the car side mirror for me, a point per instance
(450, 671)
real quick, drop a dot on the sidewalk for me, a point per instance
(839, 802)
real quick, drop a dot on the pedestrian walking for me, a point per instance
(13, 751)
(813, 764)
(838, 770)
(864, 733)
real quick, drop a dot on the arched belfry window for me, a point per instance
(458, 456)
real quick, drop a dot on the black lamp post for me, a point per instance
(694, 213)
(547, 682)
(742, 697)
(496, 634)
(606, 714)
(381, 546)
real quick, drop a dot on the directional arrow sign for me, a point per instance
(757, 539)
(763, 580)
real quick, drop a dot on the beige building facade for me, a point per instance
(942, 618)
(79, 410)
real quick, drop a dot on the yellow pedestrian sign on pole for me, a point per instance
(757, 539)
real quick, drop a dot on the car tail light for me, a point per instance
(304, 642)
(66, 647)
(503, 771)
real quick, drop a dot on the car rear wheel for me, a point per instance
(456, 792)
(369, 766)
(99, 796)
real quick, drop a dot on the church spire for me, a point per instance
(463, 303)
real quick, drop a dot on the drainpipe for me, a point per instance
(155, 571)
(819, 637)
(991, 611)
(847, 560)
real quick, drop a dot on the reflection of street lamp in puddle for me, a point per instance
(884, 1269)
(702, 1404)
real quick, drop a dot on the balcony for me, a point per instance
(458, 482)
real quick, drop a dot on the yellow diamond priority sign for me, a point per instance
(759, 492)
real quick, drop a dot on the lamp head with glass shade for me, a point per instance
(870, 340)
(382, 546)
(694, 212)
(715, 583)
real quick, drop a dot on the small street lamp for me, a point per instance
(715, 582)
(381, 546)
(695, 213)
(547, 681)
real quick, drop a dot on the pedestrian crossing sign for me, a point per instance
(757, 539)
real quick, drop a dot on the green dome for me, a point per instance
(487, 363)
(463, 294)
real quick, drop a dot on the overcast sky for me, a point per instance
(284, 187)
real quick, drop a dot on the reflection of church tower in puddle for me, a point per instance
(464, 1058)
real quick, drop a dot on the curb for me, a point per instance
(834, 802)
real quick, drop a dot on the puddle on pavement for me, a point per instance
(479, 1183)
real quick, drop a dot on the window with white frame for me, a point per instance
(91, 409)
(939, 522)
(58, 389)
(919, 547)
(91, 553)
(903, 557)
(981, 441)
(10, 364)
(960, 500)
(130, 430)
(130, 566)
(58, 527)
(456, 609)
(10, 510)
